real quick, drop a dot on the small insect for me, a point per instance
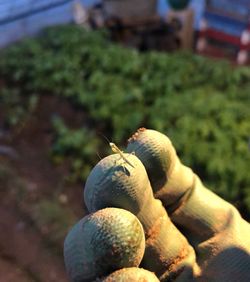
(116, 150)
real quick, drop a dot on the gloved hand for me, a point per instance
(190, 233)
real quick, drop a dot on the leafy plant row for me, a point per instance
(202, 105)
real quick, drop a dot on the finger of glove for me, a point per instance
(212, 225)
(115, 182)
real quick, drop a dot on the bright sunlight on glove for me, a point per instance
(152, 219)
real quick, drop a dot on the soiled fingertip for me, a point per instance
(115, 182)
(102, 242)
(156, 152)
(169, 178)
(131, 274)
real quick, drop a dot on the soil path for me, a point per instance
(24, 252)
(25, 257)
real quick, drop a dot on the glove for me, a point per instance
(148, 210)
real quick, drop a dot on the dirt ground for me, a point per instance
(27, 178)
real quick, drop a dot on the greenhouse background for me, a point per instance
(19, 18)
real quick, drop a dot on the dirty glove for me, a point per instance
(148, 210)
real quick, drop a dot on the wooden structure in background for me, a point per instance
(136, 23)
(148, 33)
(186, 30)
(132, 9)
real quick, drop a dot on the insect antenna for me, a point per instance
(105, 137)
(98, 155)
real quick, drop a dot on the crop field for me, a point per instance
(62, 91)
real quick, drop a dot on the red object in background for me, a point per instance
(224, 37)
(226, 26)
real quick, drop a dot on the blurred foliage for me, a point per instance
(14, 107)
(53, 219)
(78, 146)
(202, 105)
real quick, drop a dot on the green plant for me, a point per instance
(79, 147)
(201, 104)
(15, 107)
(210, 132)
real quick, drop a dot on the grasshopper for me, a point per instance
(116, 150)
